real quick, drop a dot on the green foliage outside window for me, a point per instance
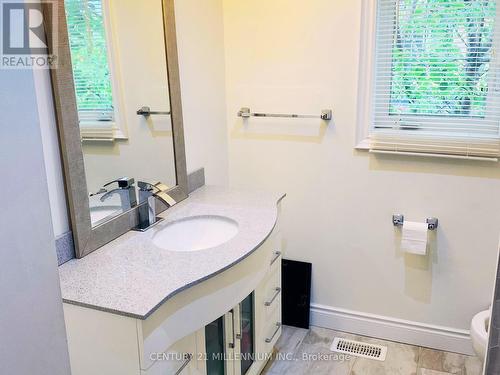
(89, 55)
(441, 57)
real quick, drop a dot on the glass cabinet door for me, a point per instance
(230, 341)
(214, 346)
(246, 336)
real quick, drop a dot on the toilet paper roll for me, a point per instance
(414, 238)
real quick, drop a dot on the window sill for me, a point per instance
(363, 145)
(99, 131)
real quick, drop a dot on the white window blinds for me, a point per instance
(89, 57)
(436, 87)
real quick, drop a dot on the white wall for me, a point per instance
(201, 59)
(296, 56)
(51, 152)
(200, 41)
(32, 332)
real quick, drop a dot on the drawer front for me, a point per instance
(272, 295)
(275, 260)
(180, 367)
(276, 253)
(271, 334)
(179, 359)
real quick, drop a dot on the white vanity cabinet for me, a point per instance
(180, 358)
(239, 308)
(242, 341)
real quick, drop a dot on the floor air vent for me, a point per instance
(359, 349)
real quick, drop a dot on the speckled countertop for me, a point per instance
(132, 276)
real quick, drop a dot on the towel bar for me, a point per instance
(146, 111)
(326, 114)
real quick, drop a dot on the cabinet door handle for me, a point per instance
(277, 254)
(238, 336)
(270, 339)
(231, 344)
(188, 359)
(276, 294)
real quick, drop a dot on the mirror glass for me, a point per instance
(120, 73)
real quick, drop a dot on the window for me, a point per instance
(91, 69)
(434, 81)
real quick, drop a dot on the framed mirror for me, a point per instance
(118, 106)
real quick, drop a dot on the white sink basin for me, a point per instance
(196, 233)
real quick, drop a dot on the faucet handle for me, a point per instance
(161, 186)
(147, 186)
(123, 182)
(159, 190)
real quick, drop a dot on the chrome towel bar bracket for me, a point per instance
(326, 114)
(432, 222)
(146, 111)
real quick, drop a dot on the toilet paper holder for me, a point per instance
(432, 222)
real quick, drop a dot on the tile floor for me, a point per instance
(300, 349)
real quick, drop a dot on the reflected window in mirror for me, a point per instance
(91, 54)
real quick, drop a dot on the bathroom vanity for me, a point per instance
(138, 306)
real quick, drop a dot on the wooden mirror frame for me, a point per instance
(87, 238)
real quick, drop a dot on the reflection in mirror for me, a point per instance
(119, 66)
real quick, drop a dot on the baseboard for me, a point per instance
(65, 248)
(426, 335)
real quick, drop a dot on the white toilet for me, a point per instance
(479, 333)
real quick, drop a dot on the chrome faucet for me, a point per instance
(126, 190)
(147, 203)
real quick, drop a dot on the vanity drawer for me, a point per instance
(272, 291)
(275, 259)
(272, 299)
(183, 367)
(271, 335)
(179, 359)
(276, 253)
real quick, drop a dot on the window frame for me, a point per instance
(117, 128)
(366, 73)
(367, 78)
